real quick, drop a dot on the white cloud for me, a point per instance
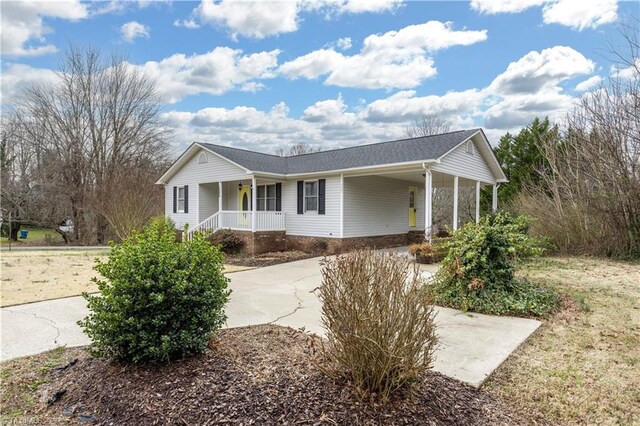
(629, 72)
(186, 23)
(396, 59)
(492, 7)
(133, 30)
(343, 43)
(589, 83)
(24, 29)
(252, 87)
(537, 71)
(577, 14)
(259, 18)
(405, 106)
(216, 72)
(15, 78)
(250, 19)
(519, 110)
(581, 14)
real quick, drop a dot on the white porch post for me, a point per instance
(455, 203)
(428, 214)
(341, 206)
(219, 196)
(494, 201)
(254, 202)
(477, 201)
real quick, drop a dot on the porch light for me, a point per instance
(239, 186)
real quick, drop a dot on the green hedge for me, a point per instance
(160, 299)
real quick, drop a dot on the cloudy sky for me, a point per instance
(332, 73)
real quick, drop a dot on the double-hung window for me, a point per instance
(181, 199)
(266, 198)
(311, 195)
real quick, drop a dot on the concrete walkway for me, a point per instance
(471, 346)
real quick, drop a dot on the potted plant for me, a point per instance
(423, 252)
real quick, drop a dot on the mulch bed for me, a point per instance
(254, 375)
(267, 259)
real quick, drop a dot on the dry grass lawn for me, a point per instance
(32, 276)
(583, 365)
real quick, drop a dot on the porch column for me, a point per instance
(341, 206)
(254, 202)
(428, 214)
(494, 201)
(477, 201)
(219, 196)
(455, 203)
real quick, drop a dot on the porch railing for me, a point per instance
(239, 221)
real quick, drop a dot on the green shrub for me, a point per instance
(160, 300)
(478, 272)
(229, 241)
(380, 329)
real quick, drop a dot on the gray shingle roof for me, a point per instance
(399, 151)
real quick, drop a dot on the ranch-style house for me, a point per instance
(377, 195)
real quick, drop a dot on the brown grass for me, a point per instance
(36, 275)
(581, 366)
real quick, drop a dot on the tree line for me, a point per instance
(87, 148)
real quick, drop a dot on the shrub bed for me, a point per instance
(160, 300)
(478, 272)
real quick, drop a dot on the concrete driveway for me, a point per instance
(471, 346)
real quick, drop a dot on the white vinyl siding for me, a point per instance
(193, 173)
(376, 205)
(311, 223)
(461, 163)
(207, 200)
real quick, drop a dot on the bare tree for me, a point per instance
(297, 149)
(428, 125)
(88, 131)
(589, 200)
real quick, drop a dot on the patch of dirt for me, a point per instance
(36, 275)
(254, 375)
(267, 259)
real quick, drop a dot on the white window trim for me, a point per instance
(317, 197)
(178, 199)
(266, 197)
(203, 158)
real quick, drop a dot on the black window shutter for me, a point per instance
(321, 187)
(175, 199)
(300, 196)
(186, 198)
(278, 197)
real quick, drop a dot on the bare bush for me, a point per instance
(380, 325)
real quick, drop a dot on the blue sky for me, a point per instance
(332, 73)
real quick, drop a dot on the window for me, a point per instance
(181, 199)
(203, 158)
(469, 147)
(266, 197)
(311, 196)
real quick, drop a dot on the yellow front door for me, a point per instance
(412, 205)
(244, 204)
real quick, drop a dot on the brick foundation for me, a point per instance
(341, 245)
(415, 237)
(262, 242)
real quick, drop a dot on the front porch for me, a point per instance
(235, 205)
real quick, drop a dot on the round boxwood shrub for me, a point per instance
(160, 299)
